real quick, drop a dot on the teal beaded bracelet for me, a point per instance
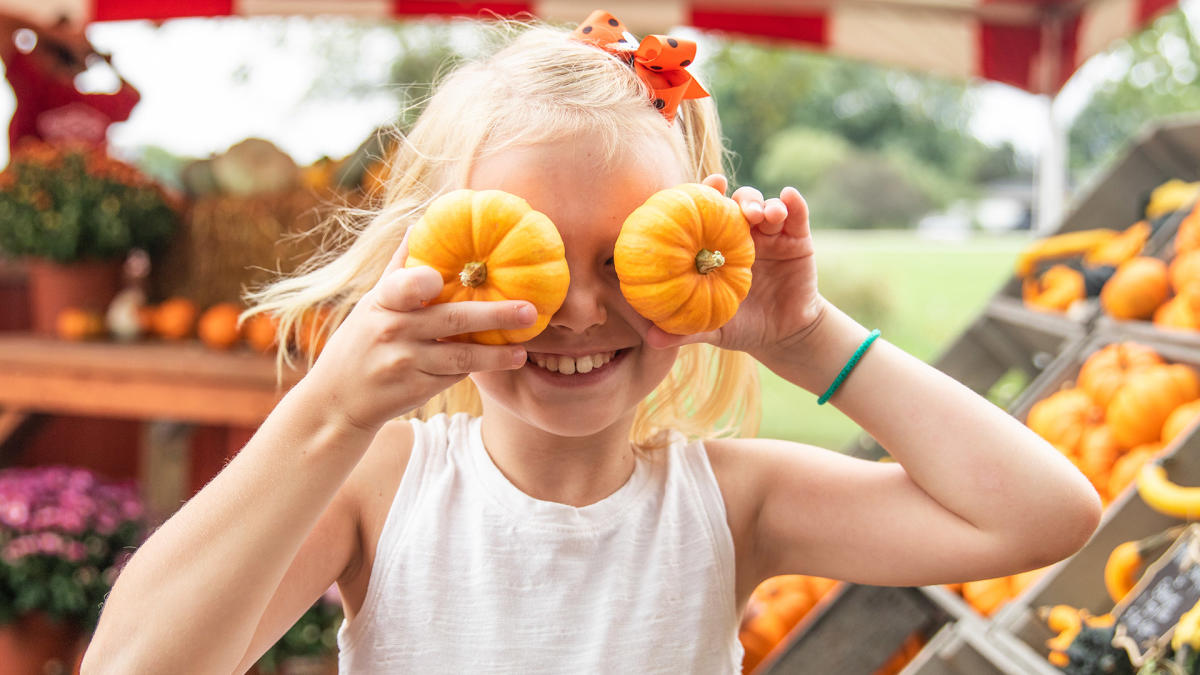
(841, 377)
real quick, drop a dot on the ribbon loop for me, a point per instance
(659, 60)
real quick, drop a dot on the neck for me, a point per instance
(572, 470)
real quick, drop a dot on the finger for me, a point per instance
(405, 290)
(399, 256)
(457, 358)
(717, 181)
(774, 213)
(751, 201)
(797, 223)
(472, 316)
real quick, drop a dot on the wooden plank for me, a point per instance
(183, 382)
(859, 630)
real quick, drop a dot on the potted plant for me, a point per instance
(73, 210)
(309, 647)
(64, 536)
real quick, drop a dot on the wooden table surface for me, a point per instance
(185, 381)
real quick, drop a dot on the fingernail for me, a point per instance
(518, 357)
(527, 314)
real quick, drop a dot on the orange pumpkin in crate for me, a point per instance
(1136, 289)
(1055, 290)
(1180, 420)
(1141, 406)
(1062, 417)
(1105, 370)
(1184, 271)
(1181, 312)
(1127, 466)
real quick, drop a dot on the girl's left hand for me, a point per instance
(783, 304)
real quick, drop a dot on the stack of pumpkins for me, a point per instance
(1131, 286)
(774, 608)
(1126, 405)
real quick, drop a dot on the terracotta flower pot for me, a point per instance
(53, 287)
(36, 645)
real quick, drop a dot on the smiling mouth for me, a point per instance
(581, 365)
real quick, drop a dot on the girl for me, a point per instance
(579, 513)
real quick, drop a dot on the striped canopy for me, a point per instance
(1032, 44)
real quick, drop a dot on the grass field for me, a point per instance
(920, 293)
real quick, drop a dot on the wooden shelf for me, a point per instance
(185, 382)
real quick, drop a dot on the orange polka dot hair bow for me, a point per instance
(659, 60)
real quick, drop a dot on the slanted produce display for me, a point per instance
(1091, 342)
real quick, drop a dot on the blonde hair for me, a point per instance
(542, 86)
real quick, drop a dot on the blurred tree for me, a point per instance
(829, 126)
(1159, 75)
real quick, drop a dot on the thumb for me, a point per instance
(399, 257)
(717, 181)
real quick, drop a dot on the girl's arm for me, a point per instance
(194, 595)
(973, 494)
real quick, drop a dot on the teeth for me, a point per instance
(569, 366)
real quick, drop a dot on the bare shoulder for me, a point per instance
(784, 499)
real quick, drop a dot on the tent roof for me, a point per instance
(1032, 44)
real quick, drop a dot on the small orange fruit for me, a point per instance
(262, 332)
(218, 326)
(175, 318)
(74, 323)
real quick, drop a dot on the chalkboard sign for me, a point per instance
(1168, 589)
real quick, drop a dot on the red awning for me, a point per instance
(1032, 44)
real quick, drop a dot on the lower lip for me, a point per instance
(578, 379)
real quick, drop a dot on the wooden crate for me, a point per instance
(967, 648)
(858, 628)
(1079, 580)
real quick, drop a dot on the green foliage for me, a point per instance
(66, 205)
(800, 157)
(1159, 77)
(869, 146)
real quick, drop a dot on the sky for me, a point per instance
(209, 83)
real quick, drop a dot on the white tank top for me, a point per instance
(472, 575)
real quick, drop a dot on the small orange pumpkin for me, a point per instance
(1181, 312)
(175, 318)
(77, 324)
(490, 245)
(1184, 271)
(1180, 420)
(1055, 290)
(262, 332)
(683, 259)
(218, 326)
(1136, 289)
(1098, 450)
(1127, 466)
(1062, 417)
(1140, 407)
(1187, 237)
(987, 595)
(1103, 372)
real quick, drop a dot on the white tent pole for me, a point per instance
(1051, 178)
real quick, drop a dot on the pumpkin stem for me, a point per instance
(473, 274)
(707, 261)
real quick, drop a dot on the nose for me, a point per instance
(584, 306)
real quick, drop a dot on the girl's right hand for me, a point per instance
(387, 357)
